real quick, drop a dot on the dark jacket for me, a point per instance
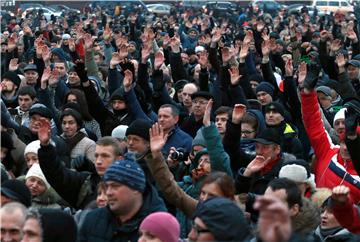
(76, 188)
(191, 126)
(102, 225)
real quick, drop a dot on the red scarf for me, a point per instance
(269, 166)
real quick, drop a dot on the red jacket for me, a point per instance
(348, 215)
(330, 168)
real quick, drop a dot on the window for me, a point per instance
(321, 3)
(344, 4)
(334, 4)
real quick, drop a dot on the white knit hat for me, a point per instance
(36, 171)
(294, 172)
(32, 147)
(119, 132)
(340, 114)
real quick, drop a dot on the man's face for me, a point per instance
(32, 231)
(7, 85)
(254, 85)
(220, 122)
(353, 72)
(267, 151)
(11, 225)
(188, 90)
(199, 232)
(264, 98)
(60, 66)
(272, 117)
(166, 119)
(34, 124)
(118, 105)
(325, 101)
(120, 197)
(25, 102)
(328, 220)
(98, 59)
(184, 58)
(282, 195)
(339, 126)
(198, 106)
(137, 144)
(31, 77)
(73, 78)
(69, 126)
(104, 156)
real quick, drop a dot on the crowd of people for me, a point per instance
(127, 126)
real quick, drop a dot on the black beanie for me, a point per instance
(17, 191)
(139, 127)
(265, 87)
(118, 94)
(57, 226)
(12, 76)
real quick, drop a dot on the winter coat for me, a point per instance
(330, 168)
(342, 235)
(102, 225)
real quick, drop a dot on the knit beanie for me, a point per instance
(224, 219)
(339, 115)
(163, 226)
(17, 191)
(126, 172)
(199, 139)
(12, 76)
(119, 132)
(40, 109)
(265, 87)
(275, 106)
(32, 147)
(35, 171)
(139, 127)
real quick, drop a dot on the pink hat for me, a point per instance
(162, 225)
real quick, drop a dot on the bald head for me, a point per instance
(12, 220)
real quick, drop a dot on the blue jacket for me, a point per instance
(177, 138)
(101, 224)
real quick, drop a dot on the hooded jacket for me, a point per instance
(330, 168)
(102, 225)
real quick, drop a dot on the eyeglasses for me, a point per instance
(199, 230)
(247, 132)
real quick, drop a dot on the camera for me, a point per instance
(179, 155)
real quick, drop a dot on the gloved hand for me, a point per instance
(312, 76)
(351, 121)
(80, 70)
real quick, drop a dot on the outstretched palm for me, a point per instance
(157, 138)
(44, 132)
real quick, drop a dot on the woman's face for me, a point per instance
(35, 185)
(146, 236)
(210, 190)
(71, 98)
(101, 199)
(31, 158)
(69, 126)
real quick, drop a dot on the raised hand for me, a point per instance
(12, 42)
(312, 76)
(340, 60)
(207, 114)
(13, 65)
(44, 131)
(203, 60)
(274, 222)
(335, 45)
(45, 77)
(265, 48)
(340, 194)
(107, 33)
(128, 80)
(159, 60)
(72, 44)
(54, 77)
(352, 35)
(45, 53)
(157, 138)
(289, 68)
(216, 35)
(175, 44)
(238, 113)
(89, 42)
(248, 37)
(256, 165)
(234, 75)
(226, 55)
(123, 51)
(244, 52)
(302, 74)
(324, 35)
(115, 60)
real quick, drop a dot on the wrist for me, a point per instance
(265, 59)
(247, 172)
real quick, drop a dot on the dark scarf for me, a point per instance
(326, 232)
(72, 142)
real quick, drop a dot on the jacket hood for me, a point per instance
(260, 119)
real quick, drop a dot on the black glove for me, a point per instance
(80, 70)
(351, 121)
(312, 76)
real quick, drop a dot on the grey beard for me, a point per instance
(137, 155)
